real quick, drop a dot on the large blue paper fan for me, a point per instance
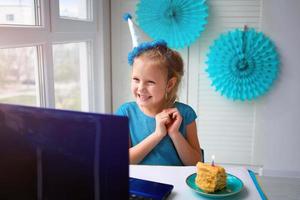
(242, 64)
(178, 22)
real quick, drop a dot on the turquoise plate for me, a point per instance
(234, 186)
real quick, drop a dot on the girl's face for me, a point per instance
(148, 84)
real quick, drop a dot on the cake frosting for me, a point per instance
(210, 178)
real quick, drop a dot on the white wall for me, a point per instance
(277, 117)
(278, 114)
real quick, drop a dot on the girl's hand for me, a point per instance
(162, 119)
(175, 122)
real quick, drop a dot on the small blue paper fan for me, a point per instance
(178, 22)
(242, 64)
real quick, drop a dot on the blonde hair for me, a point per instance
(172, 62)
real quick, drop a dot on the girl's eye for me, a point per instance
(135, 79)
(151, 82)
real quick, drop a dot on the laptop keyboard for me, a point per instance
(136, 197)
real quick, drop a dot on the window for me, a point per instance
(70, 63)
(47, 53)
(18, 68)
(75, 9)
(19, 12)
(10, 17)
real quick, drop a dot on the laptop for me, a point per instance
(145, 189)
(49, 154)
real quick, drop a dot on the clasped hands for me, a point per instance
(168, 122)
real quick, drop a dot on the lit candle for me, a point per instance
(213, 160)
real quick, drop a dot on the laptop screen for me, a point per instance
(57, 154)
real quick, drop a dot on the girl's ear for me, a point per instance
(171, 83)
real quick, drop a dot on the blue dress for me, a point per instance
(141, 126)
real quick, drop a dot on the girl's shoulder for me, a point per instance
(183, 107)
(186, 111)
(127, 107)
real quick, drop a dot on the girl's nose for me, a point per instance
(141, 87)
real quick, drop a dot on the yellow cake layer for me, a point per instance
(210, 178)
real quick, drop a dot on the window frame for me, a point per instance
(61, 30)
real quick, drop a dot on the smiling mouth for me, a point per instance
(144, 97)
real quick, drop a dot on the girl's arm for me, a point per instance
(139, 152)
(188, 149)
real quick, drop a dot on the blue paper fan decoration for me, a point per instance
(242, 64)
(178, 22)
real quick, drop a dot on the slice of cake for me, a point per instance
(210, 178)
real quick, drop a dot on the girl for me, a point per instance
(162, 131)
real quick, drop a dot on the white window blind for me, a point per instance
(226, 128)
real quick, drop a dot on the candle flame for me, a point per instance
(213, 160)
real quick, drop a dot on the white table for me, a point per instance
(274, 188)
